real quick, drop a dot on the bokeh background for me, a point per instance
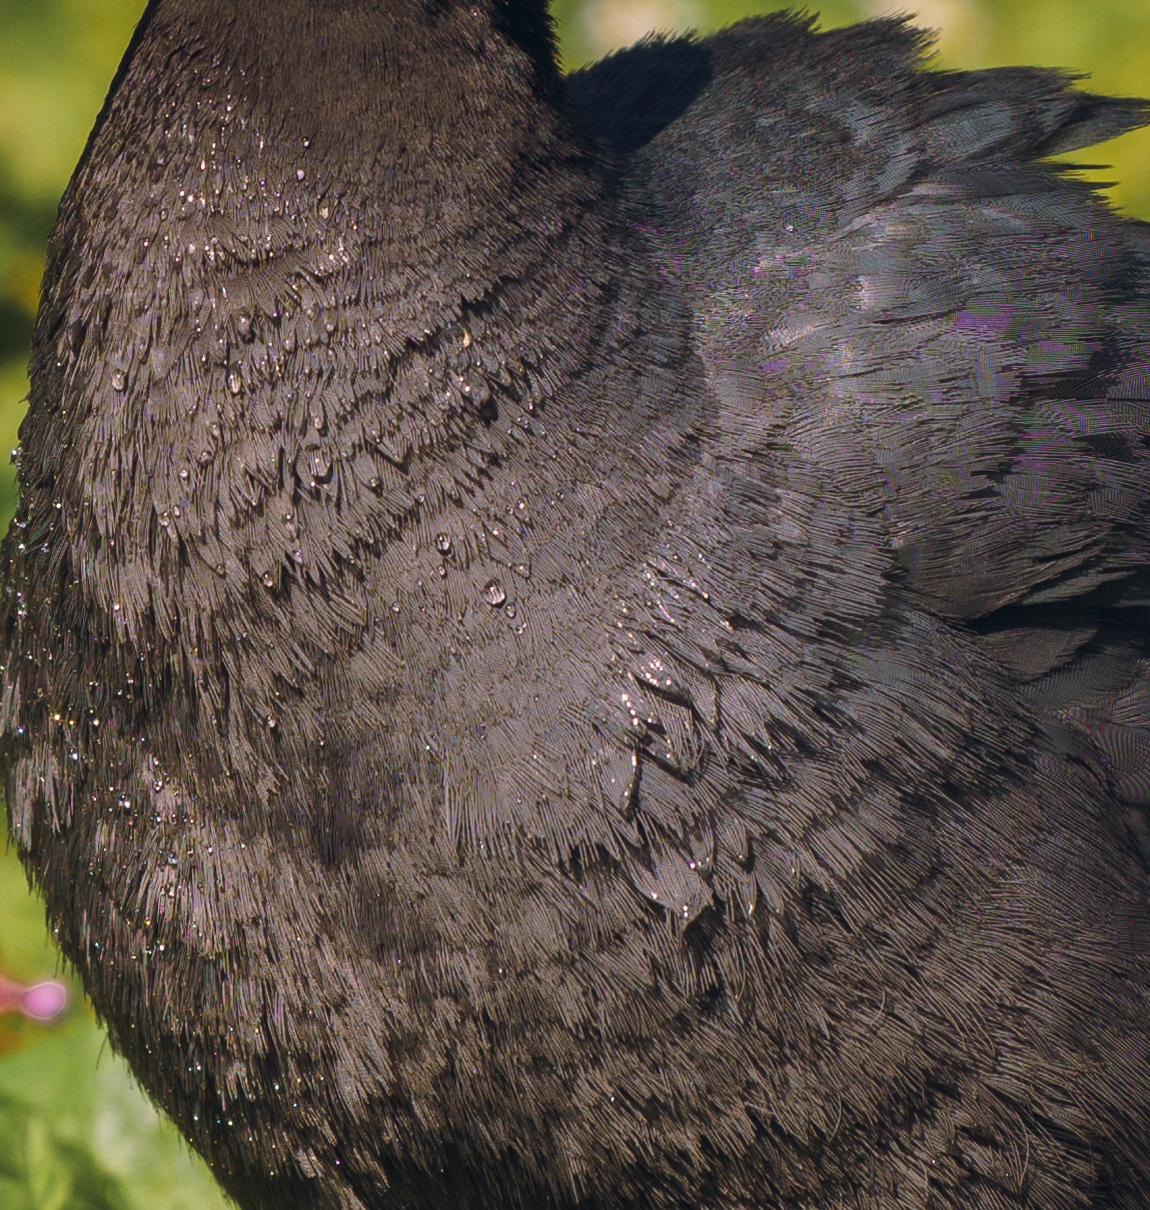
(75, 1132)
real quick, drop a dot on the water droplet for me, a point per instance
(119, 380)
(443, 543)
(269, 579)
(184, 473)
(493, 593)
(165, 519)
(509, 609)
(246, 330)
(157, 785)
(300, 174)
(235, 383)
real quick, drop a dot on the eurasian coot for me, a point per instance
(583, 643)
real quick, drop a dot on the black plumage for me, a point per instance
(584, 642)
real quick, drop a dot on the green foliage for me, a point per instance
(75, 1132)
(41, 1171)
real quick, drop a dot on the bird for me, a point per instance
(581, 641)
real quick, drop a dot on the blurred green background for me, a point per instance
(75, 1132)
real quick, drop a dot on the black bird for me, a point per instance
(583, 643)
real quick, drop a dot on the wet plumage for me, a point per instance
(583, 643)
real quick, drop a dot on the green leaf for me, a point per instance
(41, 1171)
